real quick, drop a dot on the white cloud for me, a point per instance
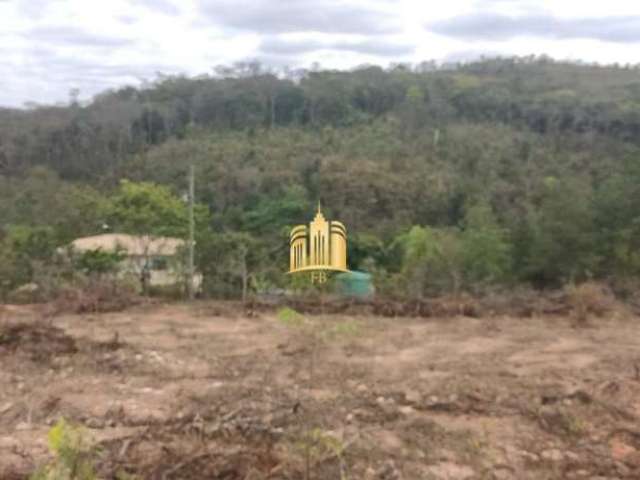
(50, 46)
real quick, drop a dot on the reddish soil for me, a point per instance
(204, 391)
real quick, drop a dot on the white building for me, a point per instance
(159, 254)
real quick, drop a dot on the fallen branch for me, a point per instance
(188, 461)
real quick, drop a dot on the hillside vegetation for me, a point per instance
(499, 172)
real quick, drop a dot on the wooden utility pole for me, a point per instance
(190, 266)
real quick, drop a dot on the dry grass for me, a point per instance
(589, 299)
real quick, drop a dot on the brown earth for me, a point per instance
(205, 391)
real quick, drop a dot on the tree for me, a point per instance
(228, 261)
(452, 259)
(617, 222)
(149, 211)
(41, 198)
(414, 111)
(26, 253)
(432, 261)
(562, 247)
(145, 208)
(486, 252)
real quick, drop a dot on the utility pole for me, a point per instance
(190, 267)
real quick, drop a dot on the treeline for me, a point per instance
(88, 142)
(500, 172)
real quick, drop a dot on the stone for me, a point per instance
(446, 455)
(23, 426)
(94, 423)
(413, 397)
(450, 471)
(388, 471)
(622, 469)
(574, 457)
(621, 450)
(553, 455)
(406, 410)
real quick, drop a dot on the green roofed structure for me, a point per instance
(354, 284)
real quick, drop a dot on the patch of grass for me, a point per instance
(125, 476)
(575, 426)
(562, 422)
(343, 330)
(290, 318)
(316, 446)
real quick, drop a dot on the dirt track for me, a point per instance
(204, 392)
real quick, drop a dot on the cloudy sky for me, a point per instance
(48, 47)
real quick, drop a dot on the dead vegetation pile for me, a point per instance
(584, 301)
(208, 442)
(95, 297)
(37, 341)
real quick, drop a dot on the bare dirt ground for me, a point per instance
(205, 391)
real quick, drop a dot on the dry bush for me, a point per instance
(524, 301)
(589, 298)
(454, 305)
(581, 301)
(627, 289)
(96, 295)
(25, 294)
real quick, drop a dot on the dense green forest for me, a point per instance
(456, 178)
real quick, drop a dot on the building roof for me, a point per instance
(129, 244)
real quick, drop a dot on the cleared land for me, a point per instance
(206, 391)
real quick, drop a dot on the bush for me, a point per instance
(72, 455)
(27, 254)
(24, 294)
(589, 298)
(437, 260)
(98, 261)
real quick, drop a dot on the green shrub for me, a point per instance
(98, 261)
(72, 452)
(290, 318)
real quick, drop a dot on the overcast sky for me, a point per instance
(48, 47)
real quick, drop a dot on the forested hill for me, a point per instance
(529, 94)
(503, 170)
